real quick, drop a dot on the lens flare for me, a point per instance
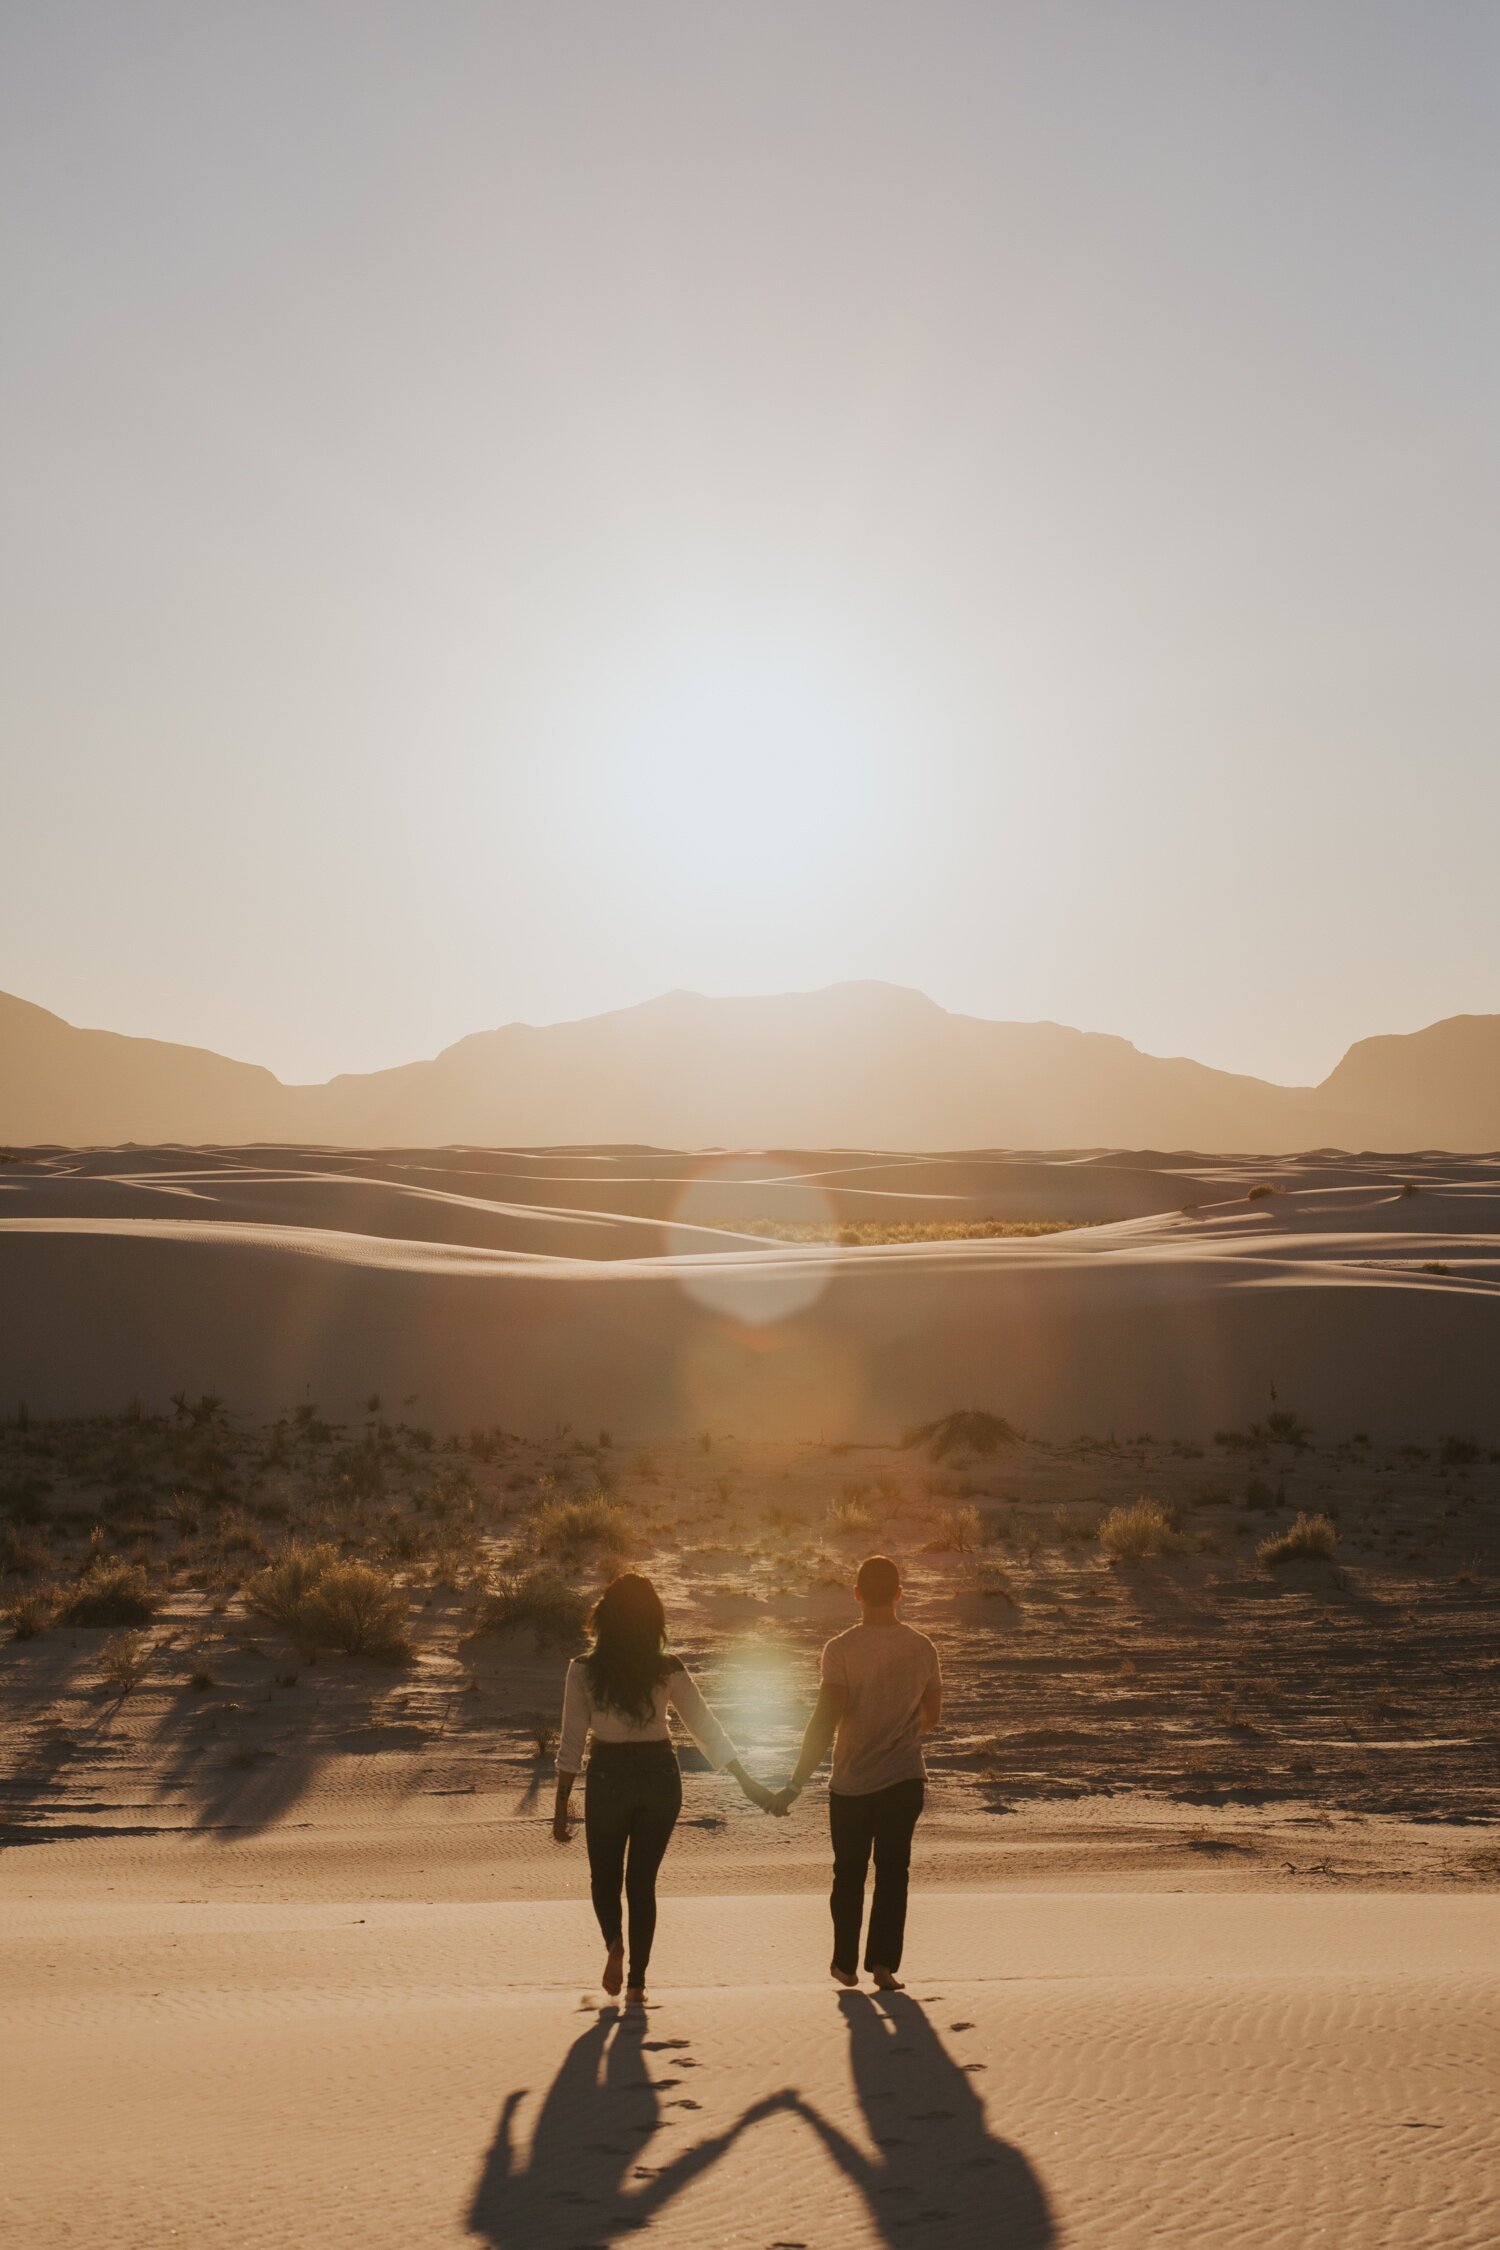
(758, 1288)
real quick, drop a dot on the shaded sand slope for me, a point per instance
(1363, 1305)
(1108, 2073)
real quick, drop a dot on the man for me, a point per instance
(882, 1692)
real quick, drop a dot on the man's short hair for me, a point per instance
(879, 1580)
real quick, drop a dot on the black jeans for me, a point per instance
(885, 1818)
(632, 1794)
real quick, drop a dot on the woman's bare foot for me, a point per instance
(614, 1970)
(886, 1980)
(848, 1978)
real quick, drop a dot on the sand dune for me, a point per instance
(1361, 1304)
(1105, 2072)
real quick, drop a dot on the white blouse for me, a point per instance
(582, 1716)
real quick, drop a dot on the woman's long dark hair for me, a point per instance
(629, 1659)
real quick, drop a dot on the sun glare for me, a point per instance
(742, 773)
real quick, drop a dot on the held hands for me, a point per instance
(782, 1801)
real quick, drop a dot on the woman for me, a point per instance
(620, 1694)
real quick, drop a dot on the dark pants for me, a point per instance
(884, 1819)
(632, 1794)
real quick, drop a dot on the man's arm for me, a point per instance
(818, 1734)
(932, 1706)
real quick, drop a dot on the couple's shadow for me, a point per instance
(938, 2173)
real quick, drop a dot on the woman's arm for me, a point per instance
(570, 1741)
(686, 1699)
(561, 1832)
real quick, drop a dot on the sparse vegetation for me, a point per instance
(957, 1532)
(970, 1429)
(31, 1613)
(541, 1599)
(125, 1660)
(110, 1593)
(855, 1234)
(570, 1527)
(1144, 1528)
(1260, 1191)
(327, 1602)
(1311, 1539)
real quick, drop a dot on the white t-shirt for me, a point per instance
(679, 1692)
(887, 1670)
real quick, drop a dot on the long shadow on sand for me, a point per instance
(601, 2109)
(940, 2176)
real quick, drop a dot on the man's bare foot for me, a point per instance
(848, 1978)
(635, 1996)
(886, 1980)
(614, 1970)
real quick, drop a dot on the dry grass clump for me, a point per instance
(110, 1593)
(568, 1527)
(1311, 1538)
(540, 1598)
(125, 1660)
(994, 1580)
(957, 1532)
(850, 1513)
(281, 1591)
(857, 1234)
(31, 1613)
(970, 1427)
(1144, 1528)
(328, 1603)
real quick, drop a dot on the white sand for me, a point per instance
(1101, 2071)
(256, 1286)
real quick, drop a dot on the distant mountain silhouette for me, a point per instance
(856, 1065)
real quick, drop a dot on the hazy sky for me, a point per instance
(508, 509)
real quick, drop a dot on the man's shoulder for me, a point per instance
(918, 1641)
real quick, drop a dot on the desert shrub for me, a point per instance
(201, 1679)
(280, 1591)
(1311, 1538)
(1259, 1494)
(1259, 1192)
(956, 1532)
(849, 1514)
(540, 1598)
(238, 1538)
(1459, 1452)
(968, 1427)
(1130, 1534)
(1287, 1428)
(18, 1553)
(31, 1613)
(994, 1581)
(854, 1234)
(360, 1610)
(110, 1593)
(125, 1660)
(566, 1527)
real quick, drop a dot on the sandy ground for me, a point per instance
(532, 1288)
(1097, 2069)
(1205, 1943)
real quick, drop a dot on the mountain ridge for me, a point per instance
(862, 1064)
